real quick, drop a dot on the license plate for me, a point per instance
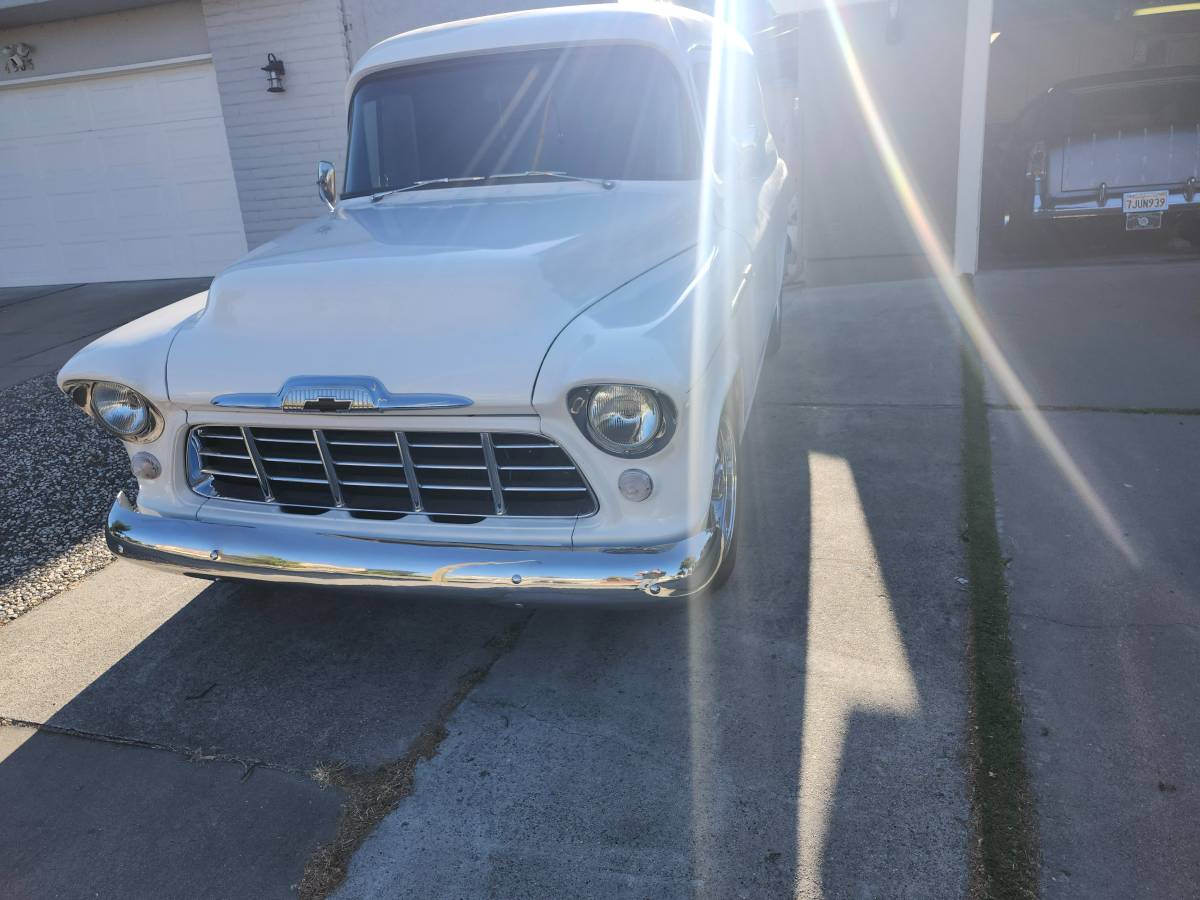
(1145, 201)
(1143, 221)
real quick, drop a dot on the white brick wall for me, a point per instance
(276, 140)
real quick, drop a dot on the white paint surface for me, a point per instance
(971, 134)
(117, 178)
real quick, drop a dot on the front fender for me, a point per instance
(136, 353)
(668, 330)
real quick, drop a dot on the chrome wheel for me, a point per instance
(792, 261)
(723, 505)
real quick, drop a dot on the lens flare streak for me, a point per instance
(961, 301)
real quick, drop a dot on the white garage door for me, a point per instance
(116, 178)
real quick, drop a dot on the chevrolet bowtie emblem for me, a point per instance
(329, 404)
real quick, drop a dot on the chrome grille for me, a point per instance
(388, 474)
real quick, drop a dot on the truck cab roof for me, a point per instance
(670, 28)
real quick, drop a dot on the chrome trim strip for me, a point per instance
(513, 574)
(220, 455)
(259, 469)
(489, 455)
(223, 473)
(410, 472)
(335, 486)
(334, 394)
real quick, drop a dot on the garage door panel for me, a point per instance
(142, 210)
(122, 177)
(133, 156)
(49, 110)
(203, 198)
(23, 264)
(150, 255)
(67, 160)
(121, 103)
(194, 144)
(81, 257)
(78, 214)
(21, 222)
(185, 94)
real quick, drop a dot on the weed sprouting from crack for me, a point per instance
(373, 793)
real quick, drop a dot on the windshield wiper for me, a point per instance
(501, 176)
(605, 183)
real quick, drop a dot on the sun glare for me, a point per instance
(960, 299)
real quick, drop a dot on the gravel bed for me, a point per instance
(58, 476)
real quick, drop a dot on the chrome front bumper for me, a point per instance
(504, 574)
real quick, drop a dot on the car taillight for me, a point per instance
(1037, 161)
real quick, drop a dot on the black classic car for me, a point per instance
(1117, 152)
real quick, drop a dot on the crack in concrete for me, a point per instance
(816, 404)
(192, 754)
(1122, 410)
(373, 794)
(1105, 626)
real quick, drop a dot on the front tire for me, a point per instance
(722, 510)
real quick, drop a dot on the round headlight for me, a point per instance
(122, 410)
(623, 419)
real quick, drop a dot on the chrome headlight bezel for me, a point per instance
(82, 394)
(579, 405)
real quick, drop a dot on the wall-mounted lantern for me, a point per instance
(275, 72)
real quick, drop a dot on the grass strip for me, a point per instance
(1007, 859)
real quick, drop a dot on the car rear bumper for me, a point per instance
(1112, 207)
(504, 574)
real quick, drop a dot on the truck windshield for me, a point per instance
(610, 112)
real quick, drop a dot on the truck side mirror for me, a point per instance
(327, 183)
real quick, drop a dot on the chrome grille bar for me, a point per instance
(220, 455)
(335, 486)
(531, 489)
(259, 469)
(442, 475)
(410, 472)
(208, 470)
(489, 455)
(280, 440)
(297, 479)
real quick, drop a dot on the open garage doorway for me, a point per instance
(1092, 148)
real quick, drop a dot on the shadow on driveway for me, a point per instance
(803, 729)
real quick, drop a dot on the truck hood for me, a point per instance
(450, 291)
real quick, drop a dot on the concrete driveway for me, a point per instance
(42, 327)
(803, 731)
(1106, 620)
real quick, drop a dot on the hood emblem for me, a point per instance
(350, 393)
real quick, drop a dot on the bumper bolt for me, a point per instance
(516, 579)
(654, 589)
(215, 555)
